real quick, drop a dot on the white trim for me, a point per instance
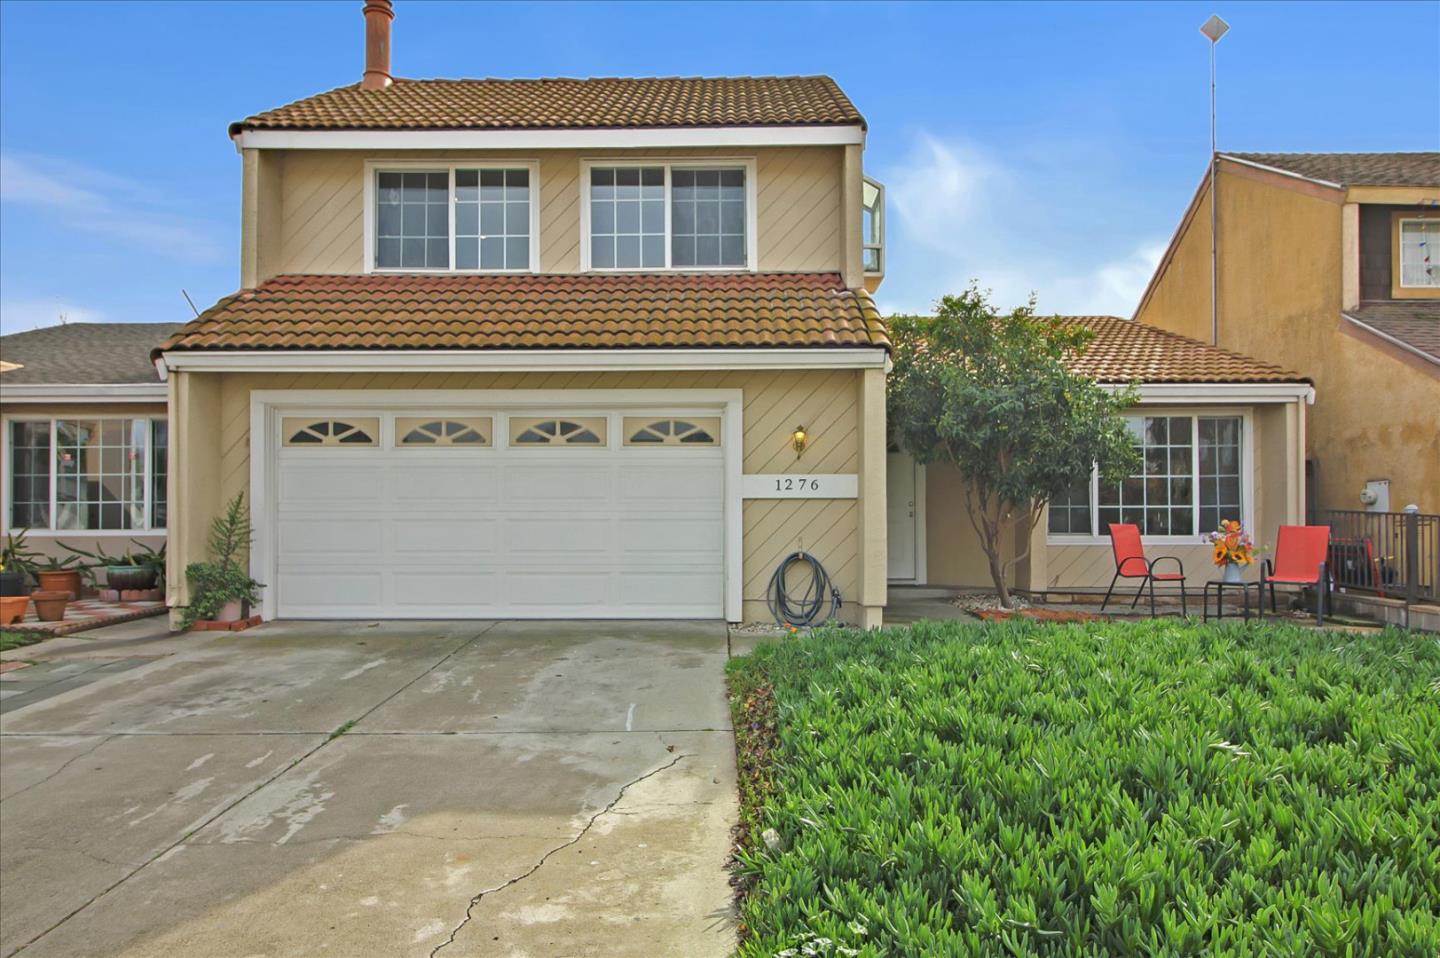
(879, 244)
(1400, 250)
(268, 405)
(1211, 393)
(668, 164)
(1276, 169)
(84, 392)
(1392, 340)
(449, 165)
(49, 532)
(1247, 480)
(525, 360)
(623, 138)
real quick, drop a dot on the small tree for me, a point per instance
(994, 395)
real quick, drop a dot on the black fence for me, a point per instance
(1392, 554)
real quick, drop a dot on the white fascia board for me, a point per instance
(570, 360)
(624, 138)
(1275, 169)
(1208, 393)
(1392, 340)
(83, 392)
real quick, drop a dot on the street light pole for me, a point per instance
(1214, 29)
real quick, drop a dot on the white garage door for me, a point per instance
(412, 514)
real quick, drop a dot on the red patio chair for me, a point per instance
(1130, 563)
(1299, 561)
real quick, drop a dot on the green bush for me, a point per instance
(1149, 789)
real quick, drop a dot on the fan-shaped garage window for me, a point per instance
(442, 432)
(672, 432)
(362, 431)
(557, 432)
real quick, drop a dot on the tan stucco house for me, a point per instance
(541, 348)
(1221, 436)
(85, 437)
(1328, 264)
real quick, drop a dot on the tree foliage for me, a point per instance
(994, 395)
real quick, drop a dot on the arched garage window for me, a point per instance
(443, 432)
(558, 432)
(672, 432)
(331, 432)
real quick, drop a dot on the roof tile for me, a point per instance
(1125, 351)
(580, 311)
(1356, 169)
(1414, 322)
(565, 103)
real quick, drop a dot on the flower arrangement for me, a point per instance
(1233, 545)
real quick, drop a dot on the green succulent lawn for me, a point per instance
(14, 640)
(1147, 788)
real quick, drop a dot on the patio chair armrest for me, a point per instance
(1180, 566)
(1267, 570)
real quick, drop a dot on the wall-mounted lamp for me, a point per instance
(799, 440)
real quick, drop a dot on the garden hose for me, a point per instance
(801, 612)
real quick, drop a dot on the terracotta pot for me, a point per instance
(50, 606)
(13, 584)
(12, 608)
(130, 578)
(67, 582)
(229, 612)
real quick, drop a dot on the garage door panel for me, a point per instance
(311, 536)
(416, 536)
(500, 532)
(555, 538)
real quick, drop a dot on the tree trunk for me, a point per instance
(997, 573)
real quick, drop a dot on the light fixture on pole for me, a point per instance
(1214, 29)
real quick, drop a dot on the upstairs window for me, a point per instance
(1419, 253)
(461, 218)
(872, 225)
(660, 216)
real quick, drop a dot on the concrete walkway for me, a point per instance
(398, 789)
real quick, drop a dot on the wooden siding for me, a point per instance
(774, 403)
(322, 208)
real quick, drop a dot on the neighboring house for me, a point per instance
(85, 436)
(1329, 263)
(542, 348)
(1222, 436)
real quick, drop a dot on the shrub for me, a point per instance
(1153, 788)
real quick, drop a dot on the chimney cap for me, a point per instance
(378, 14)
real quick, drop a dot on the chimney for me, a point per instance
(378, 14)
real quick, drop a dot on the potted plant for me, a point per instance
(54, 574)
(16, 560)
(137, 569)
(50, 604)
(12, 603)
(1234, 549)
(220, 589)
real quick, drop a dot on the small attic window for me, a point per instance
(872, 225)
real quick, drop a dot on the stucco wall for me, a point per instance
(215, 458)
(305, 208)
(1280, 290)
(46, 542)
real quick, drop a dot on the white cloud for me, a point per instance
(94, 201)
(961, 214)
(17, 317)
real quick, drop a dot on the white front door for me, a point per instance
(509, 525)
(900, 516)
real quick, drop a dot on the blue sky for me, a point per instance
(1045, 147)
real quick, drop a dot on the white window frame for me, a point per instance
(752, 245)
(1195, 414)
(50, 531)
(373, 168)
(1400, 253)
(879, 244)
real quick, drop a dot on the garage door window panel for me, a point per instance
(682, 431)
(542, 432)
(345, 432)
(467, 432)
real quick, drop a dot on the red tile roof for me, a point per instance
(564, 103)
(1126, 351)
(579, 311)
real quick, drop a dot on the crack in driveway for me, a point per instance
(66, 764)
(470, 908)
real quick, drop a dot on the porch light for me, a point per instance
(799, 440)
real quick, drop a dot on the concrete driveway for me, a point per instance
(536, 789)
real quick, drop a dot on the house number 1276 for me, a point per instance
(791, 484)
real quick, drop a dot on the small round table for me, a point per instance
(1220, 585)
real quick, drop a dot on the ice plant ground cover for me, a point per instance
(1154, 788)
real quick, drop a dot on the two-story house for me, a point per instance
(1327, 263)
(542, 348)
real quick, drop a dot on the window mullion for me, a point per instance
(1195, 492)
(147, 461)
(668, 242)
(451, 221)
(54, 468)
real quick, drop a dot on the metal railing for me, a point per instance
(1393, 554)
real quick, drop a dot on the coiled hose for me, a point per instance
(802, 612)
